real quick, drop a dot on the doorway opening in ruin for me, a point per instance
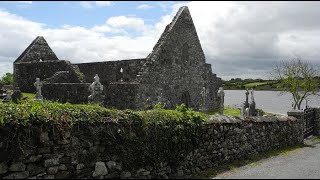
(185, 98)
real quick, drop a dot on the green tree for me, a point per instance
(297, 78)
(7, 79)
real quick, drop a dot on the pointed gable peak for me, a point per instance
(38, 50)
(183, 15)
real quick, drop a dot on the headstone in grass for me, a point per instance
(7, 98)
(16, 95)
(204, 93)
(96, 89)
(221, 100)
(252, 106)
(38, 84)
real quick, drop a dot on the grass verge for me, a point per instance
(227, 111)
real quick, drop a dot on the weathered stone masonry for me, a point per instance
(89, 151)
(176, 68)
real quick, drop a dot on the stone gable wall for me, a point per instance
(177, 67)
(38, 49)
(97, 151)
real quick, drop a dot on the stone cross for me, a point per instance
(204, 93)
(96, 89)
(221, 102)
(38, 84)
(246, 104)
(252, 106)
(148, 104)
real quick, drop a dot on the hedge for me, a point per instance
(162, 135)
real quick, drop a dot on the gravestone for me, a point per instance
(96, 89)
(221, 100)
(38, 84)
(148, 104)
(204, 94)
(7, 98)
(246, 103)
(244, 112)
(252, 106)
(16, 95)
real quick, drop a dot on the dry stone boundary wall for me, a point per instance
(89, 151)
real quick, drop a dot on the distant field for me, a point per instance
(257, 84)
(265, 85)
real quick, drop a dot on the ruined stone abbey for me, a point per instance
(174, 72)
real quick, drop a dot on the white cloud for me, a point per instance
(239, 39)
(242, 38)
(126, 22)
(86, 4)
(144, 6)
(92, 4)
(25, 2)
(103, 3)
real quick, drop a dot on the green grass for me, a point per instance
(227, 111)
(252, 160)
(317, 139)
(29, 95)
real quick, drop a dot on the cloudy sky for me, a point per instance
(239, 39)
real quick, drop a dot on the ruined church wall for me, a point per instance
(121, 95)
(176, 66)
(116, 95)
(115, 149)
(76, 93)
(109, 71)
(212, 83)
(25, 73)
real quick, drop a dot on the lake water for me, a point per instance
(269, 101)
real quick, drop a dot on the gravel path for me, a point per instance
(302, 163)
